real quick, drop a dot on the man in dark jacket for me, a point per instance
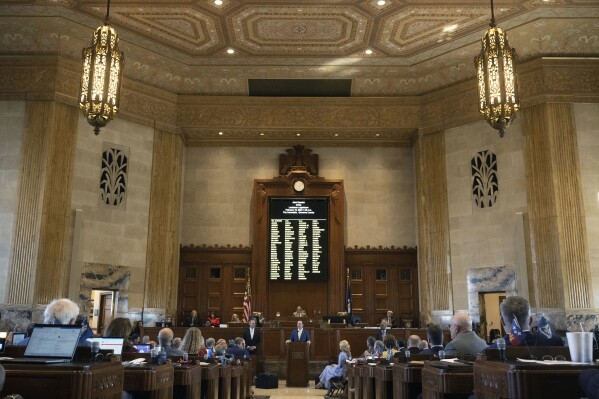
(251, 335)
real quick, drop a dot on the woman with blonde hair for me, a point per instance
(193, 342)
(335, 370)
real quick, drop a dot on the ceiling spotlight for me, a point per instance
(261, 134)
(336, 134)
(450, 28)
(381, 2)
(377, 135)
(298, 134)
(369, 51)
(218, 2)
(230, 51)
(220, 133)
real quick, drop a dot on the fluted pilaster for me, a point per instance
(560, 256)
(162, 260)
(433, 223)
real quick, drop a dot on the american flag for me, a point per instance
(247, 300)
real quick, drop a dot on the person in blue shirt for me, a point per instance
(335, 370)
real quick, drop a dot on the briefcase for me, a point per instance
(267, 381)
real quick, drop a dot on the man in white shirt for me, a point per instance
(251, 335)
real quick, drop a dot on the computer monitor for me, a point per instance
(17, 337)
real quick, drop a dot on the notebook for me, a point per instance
(50, 343)
(142, 348)
(114, 344)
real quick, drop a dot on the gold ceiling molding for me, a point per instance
(355, 120)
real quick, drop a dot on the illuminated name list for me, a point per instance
(298, 239)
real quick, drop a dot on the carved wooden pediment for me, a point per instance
(297, 160)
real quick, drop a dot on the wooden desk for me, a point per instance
(447, 383)
(512, 379)
(65, 380)
(188, 381)
(237, 382)
(407, 380)
(383, 380)
(224, 380)
(210, 375)
(354, 382)
(367, 377)
(155, 379)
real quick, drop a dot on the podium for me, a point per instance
(297, 364)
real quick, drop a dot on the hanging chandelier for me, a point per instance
(498, 99)
(101, 76)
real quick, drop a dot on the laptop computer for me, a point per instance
(114, 344)
(50, 343)
(142, 348)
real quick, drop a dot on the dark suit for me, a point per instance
(392, 323)
(531, 339)
(433, 350)
(249, 341)
(305, 337)
(237, 352)
(192, 321)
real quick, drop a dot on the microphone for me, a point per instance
(501, 347)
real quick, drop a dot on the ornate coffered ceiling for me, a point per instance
(416, 47)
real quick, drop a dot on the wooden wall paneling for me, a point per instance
(269, 294)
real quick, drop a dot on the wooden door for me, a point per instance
(105, 316)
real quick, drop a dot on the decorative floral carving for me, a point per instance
(485, 184)
(113, 177)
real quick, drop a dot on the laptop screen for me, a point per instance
(53, 341)
(114, 344)
(142, 348)
(17, 337)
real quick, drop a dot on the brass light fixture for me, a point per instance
(498, 98)
(101, 76)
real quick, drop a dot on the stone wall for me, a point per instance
(484, 237)
(378, 182)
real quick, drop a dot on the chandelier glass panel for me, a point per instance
(101, 76)
(496, 75)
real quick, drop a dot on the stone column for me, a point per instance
(162, 260)
(433, 225)
(39, 270)
(560, 256)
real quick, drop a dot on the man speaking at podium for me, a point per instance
(300, 335)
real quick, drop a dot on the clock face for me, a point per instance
(298, 185)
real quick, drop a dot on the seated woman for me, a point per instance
(120, 328)
(369, 347)
(135, 335)
(335, 370)
(389, 343)
(235, 318)
(193, 342)
(210, 343)
(213, 320)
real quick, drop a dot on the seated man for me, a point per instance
(413, 345)
(299, 312)
(390, 320)
(238, 349)
(192, 320)
(380, 335)
(515, 317)
(435, 339)
(165, 340)
(463, 339)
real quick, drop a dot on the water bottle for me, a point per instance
(389, 352)
(408, 354)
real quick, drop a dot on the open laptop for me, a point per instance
(50, 343)
(114, 344)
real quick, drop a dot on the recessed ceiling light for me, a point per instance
(336, 134)
(298, 134)
(369, 51)
(230, 51)
(220, 133)
(381, 2)
(218, 2)
(261, 134)
(377, 135)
